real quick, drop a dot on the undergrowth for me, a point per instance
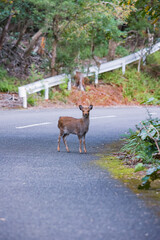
(143, 146)
(143, 87)
(8, 83)
(144, 143)
(59, 94)
(140, 87)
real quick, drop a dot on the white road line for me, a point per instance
(111, 116)
(34, 125)
(47, 123)
(153, 113)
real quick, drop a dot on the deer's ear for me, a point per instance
(90, 107)
(80, 107)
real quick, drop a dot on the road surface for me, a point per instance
(50, 195)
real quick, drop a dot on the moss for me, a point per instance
(126, 174)
(116, 167)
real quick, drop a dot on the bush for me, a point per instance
(8, 83)
(32, 100)
(64, 87)
(61, 94)
(154, 58)
(152, 174)
(144, 143)
(136, 86)
(34, 74)
(101, 51)
(121, 51)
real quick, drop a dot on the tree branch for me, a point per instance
(33, 42)
(5, 31)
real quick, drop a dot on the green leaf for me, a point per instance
(145, 179)
(143, 134)
(151, 171)
(139, 167)
(150, 100)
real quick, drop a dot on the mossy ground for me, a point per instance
(126, 174)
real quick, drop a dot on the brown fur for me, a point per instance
(79, 127)
(80, 80)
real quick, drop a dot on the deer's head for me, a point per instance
(85, 110)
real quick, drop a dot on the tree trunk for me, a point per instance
(22, 32)
(5, 31)
(112, 50)
(139, 64)
(54, 55)
(33, 42)
(56, 32)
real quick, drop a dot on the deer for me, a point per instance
(80, 80)
(79, 127)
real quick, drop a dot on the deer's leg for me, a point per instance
(59, 139)
(84, 144)
(80, 144)
(65, 142)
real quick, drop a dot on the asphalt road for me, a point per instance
(50, 195)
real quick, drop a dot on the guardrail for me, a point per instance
(42, 84)
(93, 70)
(122, 62)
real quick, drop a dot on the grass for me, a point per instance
(140, 87)
(116, 167)
(32, 100)
(8, 83)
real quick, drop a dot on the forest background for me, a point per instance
(42, 38)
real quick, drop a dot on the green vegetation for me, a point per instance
(140, 153)
(54, 36)
(116, 167)
(8, 83)
(126, 174)
(121, 51)
(154, 59)
(150, 8)
(152, 174)
(32, 100)
(143, 146)
(58, 95)
(144, 143)
(42, 38)
(140, 87)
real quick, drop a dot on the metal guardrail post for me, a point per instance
(46, 91)
(144, 60)
(123, 67)
(69, 82)
(25, 100)
(23, 93)
(96, 77)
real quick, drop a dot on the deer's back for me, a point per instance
(72, 125)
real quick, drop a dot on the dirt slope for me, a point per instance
(102, 95)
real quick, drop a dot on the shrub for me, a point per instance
(121, 51)
(152, 174)
(32, 100)
(144, 146)
(136, 86)
(143, 143)
(8, 83)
